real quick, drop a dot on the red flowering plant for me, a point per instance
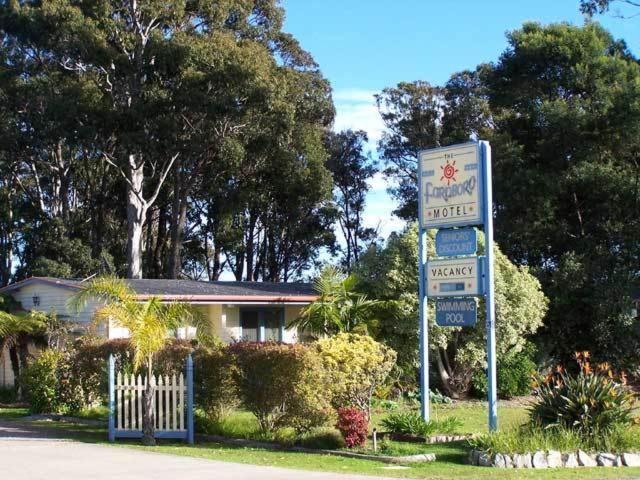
(593, 400)
(353, 424)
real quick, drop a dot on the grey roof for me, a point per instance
(189, 288)
(192, 287)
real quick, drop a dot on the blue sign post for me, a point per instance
(455, 192)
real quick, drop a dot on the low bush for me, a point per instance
(215, 388)
(592, 401)
(322, 440)
(282, 385)
(513, 373)
(530, 438)
(412, 423)
(50, 386)
(356, 365)
(8, 395)
(353, 424)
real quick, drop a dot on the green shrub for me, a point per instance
(412, 423)
(40, 380)
(530, 438)
(8, 395)
(436, 397)
(215, 388)
(90, 355)
(50, 385)
(589, 401)
(356, 365)
(513, 374)
(322, 440)
(282, 385)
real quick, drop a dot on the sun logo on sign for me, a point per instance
(449, 171)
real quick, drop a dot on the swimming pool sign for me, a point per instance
(451, 242)
(450, 186)
(454, 277)
(456, 312)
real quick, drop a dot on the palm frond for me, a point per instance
(104, 289)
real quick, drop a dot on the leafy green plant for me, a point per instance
(412, 423)
(529, 438)
(593, 400)
(437, 397)
(282, 385)
(216, 391)
(7, 395)
(339, 308)
(322, 439)
(50, 385)
(514, 376)
(357, 365)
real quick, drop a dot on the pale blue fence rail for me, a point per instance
(172, 403)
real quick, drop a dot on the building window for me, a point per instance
(262, 324)
(249, 323)
(36, 301)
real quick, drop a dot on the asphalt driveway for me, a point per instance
(28, 453)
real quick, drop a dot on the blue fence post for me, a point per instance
(489, 285)
(190, 432)
(112, 400)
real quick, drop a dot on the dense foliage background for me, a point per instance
(181, 140)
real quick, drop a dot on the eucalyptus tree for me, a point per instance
(352, 168)
(139, 56)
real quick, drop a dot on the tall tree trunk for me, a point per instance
(136, 211)
(445, 377)
(250, 247)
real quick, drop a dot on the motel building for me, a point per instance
(253, 311)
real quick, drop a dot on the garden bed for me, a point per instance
(392, 459)
(433, 439)
(553, 459)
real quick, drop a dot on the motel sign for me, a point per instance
(455, 196)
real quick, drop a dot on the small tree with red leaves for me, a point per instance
(353, 424)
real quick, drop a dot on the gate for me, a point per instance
(172, 404)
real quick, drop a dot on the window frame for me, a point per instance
(261, 321)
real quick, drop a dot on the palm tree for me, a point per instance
(16, 330)
(339, 308)
(148, 323)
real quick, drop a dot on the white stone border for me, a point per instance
(553, 459)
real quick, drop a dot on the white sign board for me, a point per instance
(450, 186)
(456, 277)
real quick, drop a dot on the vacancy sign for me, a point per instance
(450, 186)
(455, 277)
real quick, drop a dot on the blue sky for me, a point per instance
(363, 46)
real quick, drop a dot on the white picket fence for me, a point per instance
(172, 404)
(169, 402)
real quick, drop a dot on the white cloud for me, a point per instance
(356, 109)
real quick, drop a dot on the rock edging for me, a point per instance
(553, 459)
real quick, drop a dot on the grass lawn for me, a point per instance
(449, 463)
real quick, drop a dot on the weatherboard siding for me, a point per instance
(54, 299)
